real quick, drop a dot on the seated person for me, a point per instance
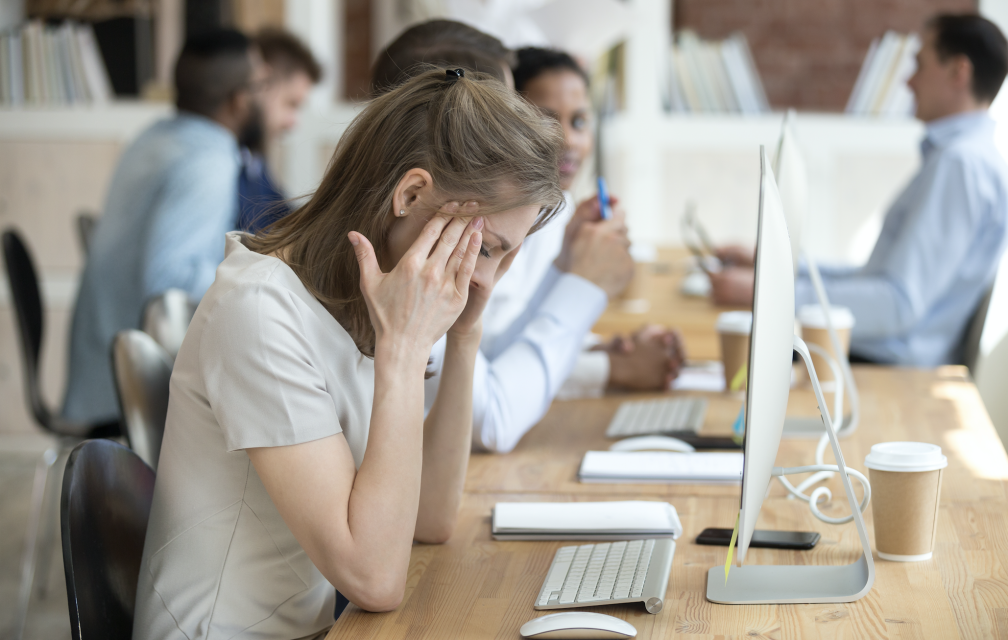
(296, 457)
(442, 43)
(651, 357)
(173, 197)
(534, 338)
(291, 71)
(943, 237)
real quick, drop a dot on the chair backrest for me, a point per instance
(166, 318)
(24, 288)
(974, 331)
(86, 223)
(142, 372)
(991, 381)
(106, 500)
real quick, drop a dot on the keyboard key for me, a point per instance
(642, 566)
(627, 570)
(573, 580)
(610, 570)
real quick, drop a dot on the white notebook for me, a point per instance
(628, 520)
(661, 466)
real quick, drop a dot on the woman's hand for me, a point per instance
(416, 303)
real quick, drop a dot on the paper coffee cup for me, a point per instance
(906, 486)
(815, 331)
(734, 328)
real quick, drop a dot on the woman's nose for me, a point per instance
(482, 277)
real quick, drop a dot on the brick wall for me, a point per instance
(357, 48)
(809, 51)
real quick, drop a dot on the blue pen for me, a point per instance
(603, 199)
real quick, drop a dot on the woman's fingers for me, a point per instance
(462, 246)
(366, 259)
(428, 237)
(468, 263)
(450, 238)
(455, 233)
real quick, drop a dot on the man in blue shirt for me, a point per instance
(291, 72)
(171, 200)
(943, 237)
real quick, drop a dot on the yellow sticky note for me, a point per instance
(731, 549)
(739, 379)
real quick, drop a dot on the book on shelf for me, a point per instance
(52, 65)
(880, 88)
(714, 76)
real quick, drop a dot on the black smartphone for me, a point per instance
(709, 442)
(800, 540)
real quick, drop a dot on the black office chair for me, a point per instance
(86, 223)
(974, 331)
(27, 301)
(107, 493)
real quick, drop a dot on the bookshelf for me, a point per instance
(118, 120)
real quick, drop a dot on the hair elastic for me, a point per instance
(451, 75)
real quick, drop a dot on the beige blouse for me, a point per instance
(262, 365)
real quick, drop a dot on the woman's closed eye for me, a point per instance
(484, 251)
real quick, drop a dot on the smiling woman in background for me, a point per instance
(543, 308)
(296, 456)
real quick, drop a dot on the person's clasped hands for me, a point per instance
(649, 359)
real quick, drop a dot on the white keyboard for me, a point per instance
(665, 416)
(609, 573)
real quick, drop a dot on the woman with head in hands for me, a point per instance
(296, 456)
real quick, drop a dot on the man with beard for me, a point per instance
(173, 197)
(292, 71)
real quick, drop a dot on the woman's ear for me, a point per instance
(414, 194)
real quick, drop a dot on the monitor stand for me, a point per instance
(804, 427)
(799, 427)
(773, 584)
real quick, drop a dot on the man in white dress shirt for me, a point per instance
(559, 283)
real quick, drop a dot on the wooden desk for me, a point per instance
(474, 587)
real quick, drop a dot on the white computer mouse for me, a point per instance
(652, 443)
(577, 625)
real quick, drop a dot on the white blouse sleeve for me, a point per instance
(260, 371)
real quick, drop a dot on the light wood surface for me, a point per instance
(474, 587)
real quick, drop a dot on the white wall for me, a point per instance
(855, 166)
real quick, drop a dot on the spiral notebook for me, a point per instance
(662, 467)
(626, 520)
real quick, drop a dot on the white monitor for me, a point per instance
(770, 351)
(792, 179)
(769, 380)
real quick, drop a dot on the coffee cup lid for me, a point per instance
(734, 322)
(812, 316)
(905, 456)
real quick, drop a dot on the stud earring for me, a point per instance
(402, 212)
